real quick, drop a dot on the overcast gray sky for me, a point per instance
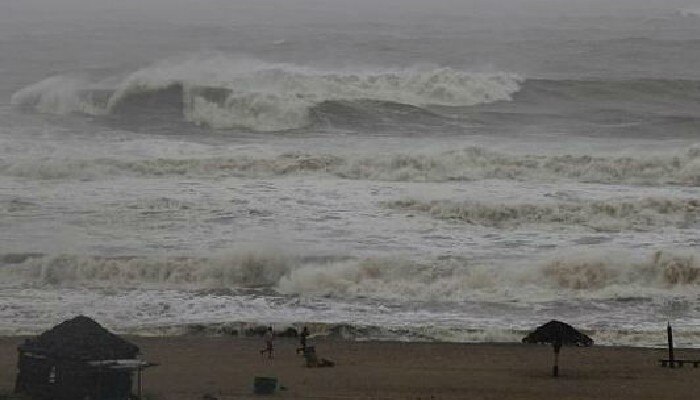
(203, 7)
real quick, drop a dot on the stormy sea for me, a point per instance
(456, 172)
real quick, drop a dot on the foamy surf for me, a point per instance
(597, 276)
(620, 298)
(650, 336)
(467, 164)
(600, 216)
(167, 312)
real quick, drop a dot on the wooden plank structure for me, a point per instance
(79, 359)
(671, 361)
(679, 363)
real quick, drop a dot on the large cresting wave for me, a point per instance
(225, 92)
(585, 275)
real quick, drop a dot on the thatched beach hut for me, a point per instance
(558, 334)
(78, 359)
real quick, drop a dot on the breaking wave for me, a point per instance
(247, 268)
(662, 269)
(607, 216)
(586, 275)
(225, 92)
(472, 163)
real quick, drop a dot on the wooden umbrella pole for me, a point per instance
(555, 370)
(669, 331)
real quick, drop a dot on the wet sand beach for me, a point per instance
(224, 367)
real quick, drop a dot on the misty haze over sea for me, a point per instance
(450, 170)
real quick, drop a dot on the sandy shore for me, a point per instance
(225, 367)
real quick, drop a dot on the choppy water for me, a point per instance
(448, 175)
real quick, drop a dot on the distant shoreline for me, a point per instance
(655, 339)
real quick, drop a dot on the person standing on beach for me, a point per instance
(268, 337)
(302, 340)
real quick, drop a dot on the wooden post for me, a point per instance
(669, 330)
(98, 395)
(558, 341)
(138, 383)
(19, 384)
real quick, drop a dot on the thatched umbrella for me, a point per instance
(558, 334)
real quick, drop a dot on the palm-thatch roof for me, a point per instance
(557, 332)
(81, 338)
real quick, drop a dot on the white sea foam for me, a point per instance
(689, 12)
(270, 97)
(57, 95)
(478, 163)
(471, 163)
(608, 216)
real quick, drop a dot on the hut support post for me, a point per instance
(138, 383)
(555, 369)
(669, 331)
(99, 385)
(19, 380)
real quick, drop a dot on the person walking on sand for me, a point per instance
(302, 340)
(268, 337)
